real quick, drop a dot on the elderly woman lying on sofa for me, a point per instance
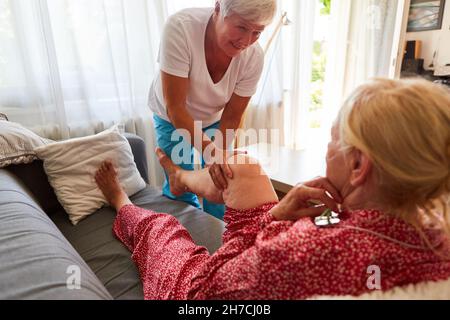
(387, 168)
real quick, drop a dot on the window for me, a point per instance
(320, 52)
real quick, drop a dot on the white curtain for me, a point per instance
(266, 109)
(74, 67)
(283, 95)
(298, 90)
(71, 68)
(363, 34)
(361, 37)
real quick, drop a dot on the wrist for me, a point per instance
(275, 213)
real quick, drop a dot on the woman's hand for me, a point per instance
(218, 167)
(307, 200)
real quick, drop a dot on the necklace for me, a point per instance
(327, 219)
(383, 236)
(331, 219)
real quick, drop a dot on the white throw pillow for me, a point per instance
(17, 143)
(71, 165)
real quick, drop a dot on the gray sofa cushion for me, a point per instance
(110, 259)
(106, 256)
(35, 256)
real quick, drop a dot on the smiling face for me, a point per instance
(235, 34)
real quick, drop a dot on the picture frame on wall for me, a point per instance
(425, 15)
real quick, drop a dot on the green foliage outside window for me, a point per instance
(326, 7)
(318, 71)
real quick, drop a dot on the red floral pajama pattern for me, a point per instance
(266, 259)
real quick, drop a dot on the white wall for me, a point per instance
(435, 40)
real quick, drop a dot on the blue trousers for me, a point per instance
(164, 132)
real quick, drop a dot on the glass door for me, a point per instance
(399, 40)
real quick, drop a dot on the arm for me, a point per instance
(282, 263)
(231, 119)
(256, 207)
(175, 91)
(234, 110)
(175, 66)
(232, 116)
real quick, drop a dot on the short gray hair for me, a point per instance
(256, 11)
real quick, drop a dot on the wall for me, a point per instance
(435, 40)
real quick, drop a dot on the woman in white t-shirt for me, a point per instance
(210, 66)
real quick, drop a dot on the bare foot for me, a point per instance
(106, 179)
(173, 171)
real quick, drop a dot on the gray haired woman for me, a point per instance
(210, 65)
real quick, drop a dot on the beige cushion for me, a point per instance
(70, 166)
(17, 144)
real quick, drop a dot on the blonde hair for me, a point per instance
(256, 11)
(403, 126)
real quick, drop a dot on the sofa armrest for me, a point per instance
(139, 153)
(36, 260)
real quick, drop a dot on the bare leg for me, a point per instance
(106, 179)
(181, 181)
(249, 188)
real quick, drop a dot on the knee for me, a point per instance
(244, 166)
(250, 186)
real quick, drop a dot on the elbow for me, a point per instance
(171, 114)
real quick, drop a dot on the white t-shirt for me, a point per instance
(182, 54)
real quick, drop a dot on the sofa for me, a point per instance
(44, 256)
